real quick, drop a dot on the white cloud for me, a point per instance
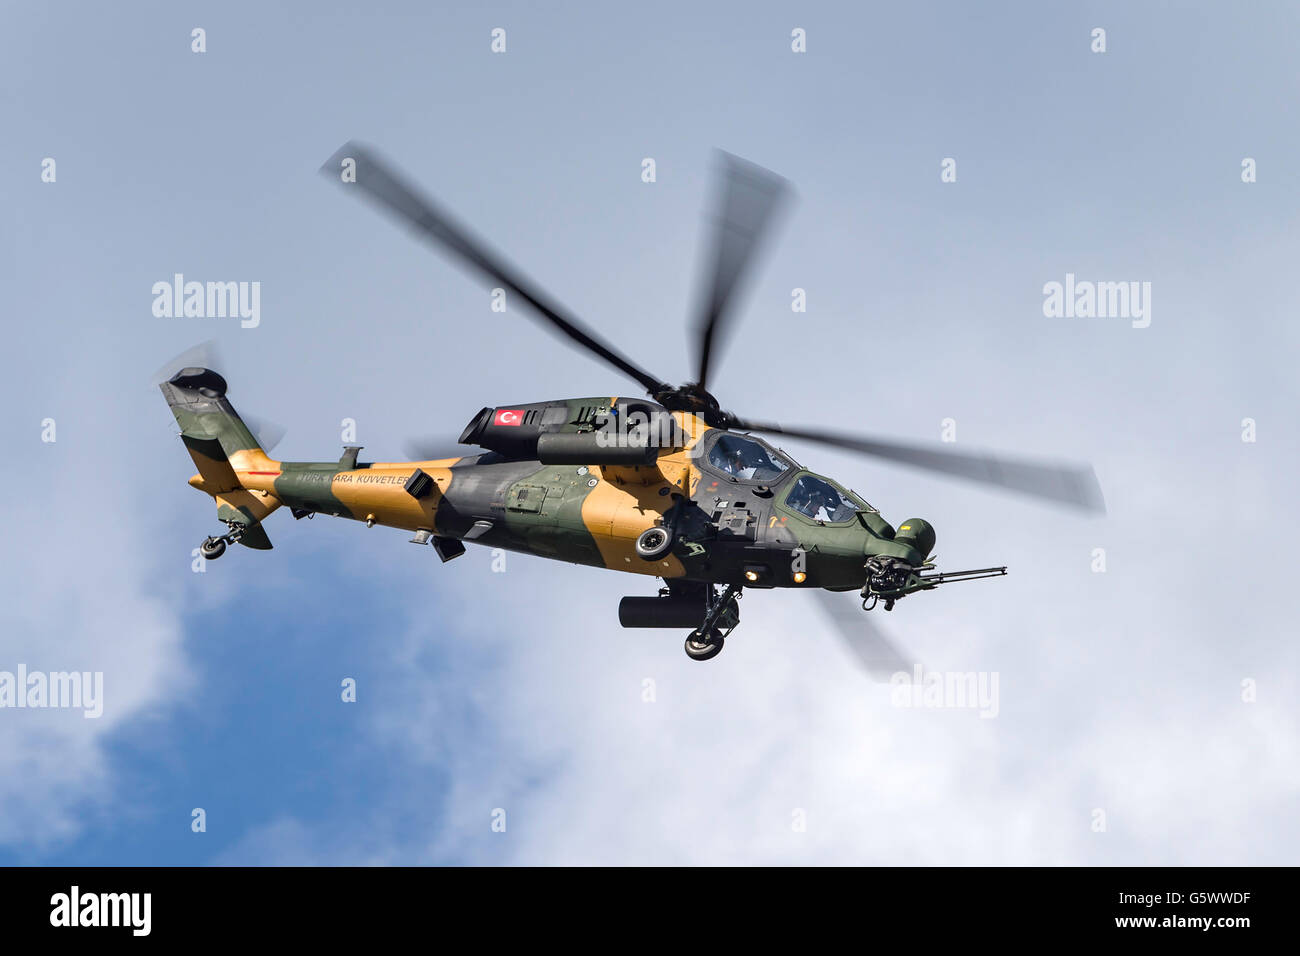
(713, 771)
(80, 593)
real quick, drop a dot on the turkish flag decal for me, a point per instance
(508, 416)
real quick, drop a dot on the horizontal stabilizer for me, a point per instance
(255, 537)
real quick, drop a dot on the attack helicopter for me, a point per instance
(670, 485)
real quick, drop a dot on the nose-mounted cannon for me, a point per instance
(893, 576)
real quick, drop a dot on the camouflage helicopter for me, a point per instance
(669, 486)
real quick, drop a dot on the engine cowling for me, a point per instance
(590, 448)
(579, 431)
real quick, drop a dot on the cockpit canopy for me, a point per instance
(818, 499)
(744, 458)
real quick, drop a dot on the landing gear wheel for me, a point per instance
(213, 548)
(700, 648)
(654, 543)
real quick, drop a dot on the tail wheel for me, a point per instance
(703, 647)
(654, 543)
(213, 548)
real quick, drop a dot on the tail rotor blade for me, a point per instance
(208, 355)
(204, 355)
(268, 433)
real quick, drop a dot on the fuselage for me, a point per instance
(742, 511)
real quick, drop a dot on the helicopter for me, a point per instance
(669, 485)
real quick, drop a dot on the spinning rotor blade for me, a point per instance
(1072, 485)
(268, 433)
(381, 183)
(436, 449)
(870, 648)
(208, 355)
(204, 355)
(749, 197)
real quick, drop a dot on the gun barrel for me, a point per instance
(945, 577)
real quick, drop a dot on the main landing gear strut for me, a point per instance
(214, 547)
(721, 616)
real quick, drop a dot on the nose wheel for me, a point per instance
(720, 619)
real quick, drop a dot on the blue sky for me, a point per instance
(480, 690)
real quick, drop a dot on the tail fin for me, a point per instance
(220, 442)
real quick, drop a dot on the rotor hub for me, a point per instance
(693, 399)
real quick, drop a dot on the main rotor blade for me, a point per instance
(749, 197)
(380, 182)
(870, 648)
(1072, 485)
